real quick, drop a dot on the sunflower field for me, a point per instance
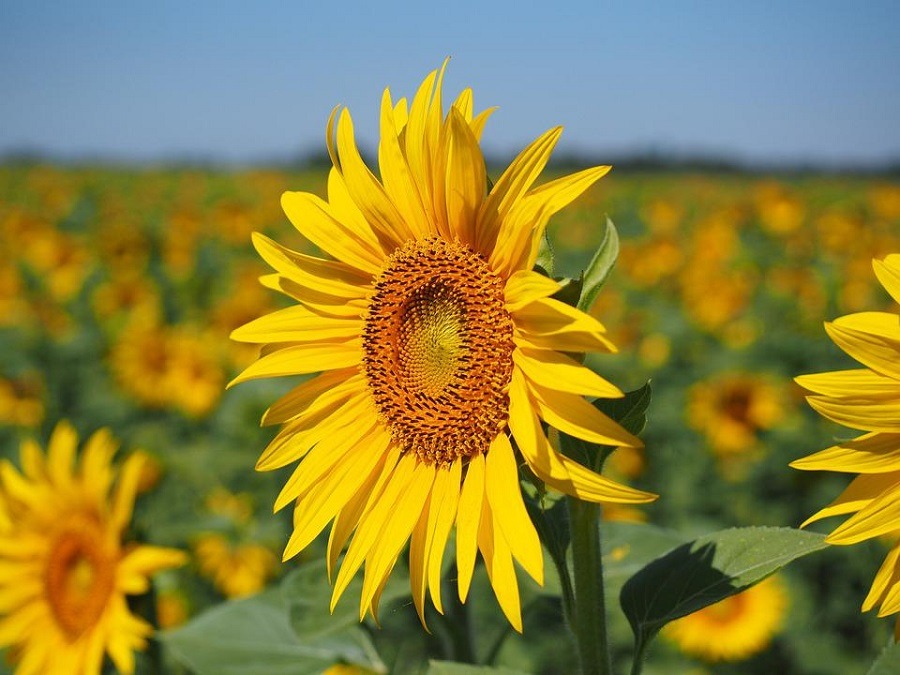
(119, 289)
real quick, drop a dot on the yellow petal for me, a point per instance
(96, 468)
(466, 178)
(61, 454)
(349, 516)
(297, 324)
(522, 229)
(464, 103)
(526, 286)
(878, 517)
(418, 578)
(574, 342)
(398, 180)
(546, 316)
(556, 371)
(510, 188)
(888, 273)
(303, 359)
(441, 522)
(126, 490)
(335, 486)
(32, 458)
(394, 531)
(499, 565)
(555, 469)
(888, 576)
(328, 456)
(861, 491)
(371, 525)
(858, 383)
(468, 518)
(314, 219)
(575, 416)
(365, 190)
(872, 338)
(505, 496)
(141, 562)
(326, 390)
(860, 413)
(319, 303)
(325, 276)
(871, 453)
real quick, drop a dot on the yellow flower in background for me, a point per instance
(22, 400)
(735, 628)
(64, 569)
(867, 399)
(163, 366)
(436, 340)
(731, 410)
(236, 571)
(171, 608)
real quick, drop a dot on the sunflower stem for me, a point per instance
(590, 607)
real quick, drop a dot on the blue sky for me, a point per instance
(763, 81)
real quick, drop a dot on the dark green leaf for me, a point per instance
(600, 266)
(707, 570)
(888, 662)
(627, 547)
(545, 256)
(570, 291)
(630, 411)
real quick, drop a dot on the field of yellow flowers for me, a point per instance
(119, 289)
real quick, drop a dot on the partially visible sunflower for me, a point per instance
(731, 410)
(867, 399)
(735, 628)
(64, 569)
(436, 340)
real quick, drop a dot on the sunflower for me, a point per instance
(735, 628)
(64, 570)
(867, 399)
(732, 409)
(434, 341)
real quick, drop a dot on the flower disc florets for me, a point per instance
(438, 346)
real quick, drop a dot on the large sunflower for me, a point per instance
(435, 340)
(64, 570)
(867, 399)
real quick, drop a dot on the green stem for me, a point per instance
(590, 608)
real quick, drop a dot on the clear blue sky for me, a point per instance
(761, 81)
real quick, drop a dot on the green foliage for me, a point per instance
(888, 662)
(599, 268)
(260, 635)
(450, 668)
(705, 571)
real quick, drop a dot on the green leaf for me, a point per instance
(451, 668)
(705, 571)
(888, 662)
(545, 256)
(627, 547)
(307, 596)
(255, 636)
(600, 266)
(630, 411)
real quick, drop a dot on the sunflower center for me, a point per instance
(80, 576)
(438, 349)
